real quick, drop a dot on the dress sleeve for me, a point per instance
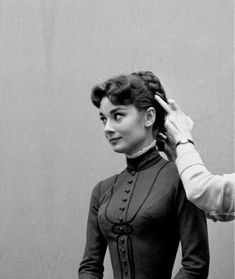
(91, 266)
(192, 228)
(211, 193)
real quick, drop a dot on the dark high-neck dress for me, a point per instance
(142, 214)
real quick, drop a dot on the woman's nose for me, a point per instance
(108, 128)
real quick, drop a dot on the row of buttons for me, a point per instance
(121, 228)
(124, 201)
(123, 255)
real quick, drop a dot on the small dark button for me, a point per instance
(126, 271)
(122, 239)
(132, 172)
(122, 208)
(121, 229)
(124, 200)
(130, 181)
(124, 261)
(120, 219)
(127, 191)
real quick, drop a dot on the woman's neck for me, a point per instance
(141, 151)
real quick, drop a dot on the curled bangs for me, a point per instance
(121, 90)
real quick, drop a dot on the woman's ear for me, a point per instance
(150, 117)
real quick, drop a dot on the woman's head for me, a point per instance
(133, 96)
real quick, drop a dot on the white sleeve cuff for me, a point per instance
(187, 156)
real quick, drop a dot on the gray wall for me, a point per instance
(52, 147)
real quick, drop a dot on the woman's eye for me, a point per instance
(103, 120)
(118, 116)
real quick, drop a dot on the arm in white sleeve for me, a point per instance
(211, 193)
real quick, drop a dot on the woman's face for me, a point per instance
(124, 126)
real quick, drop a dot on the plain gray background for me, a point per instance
(52, 147)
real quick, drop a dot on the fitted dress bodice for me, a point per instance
(141, 215)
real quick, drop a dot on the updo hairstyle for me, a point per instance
(136, 89)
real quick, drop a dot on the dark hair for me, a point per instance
(136, 89)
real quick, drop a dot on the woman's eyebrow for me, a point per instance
(114, 110)
(117, 109)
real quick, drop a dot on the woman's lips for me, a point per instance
(113, 140)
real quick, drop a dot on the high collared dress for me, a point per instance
(142, 215)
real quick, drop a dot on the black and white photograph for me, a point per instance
(117, 139)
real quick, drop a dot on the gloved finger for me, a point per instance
(190, 123)
(174, 106)
(162, 136)
(163, 104)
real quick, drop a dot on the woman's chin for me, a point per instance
(118, 148)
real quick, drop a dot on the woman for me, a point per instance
(142, 213)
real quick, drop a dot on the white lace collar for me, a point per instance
(142, 151)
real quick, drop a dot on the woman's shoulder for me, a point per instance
(169, 167)
(104, 185)
(108, 181)
(169, 172)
